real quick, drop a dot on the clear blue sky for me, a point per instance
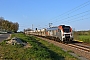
(42, 12)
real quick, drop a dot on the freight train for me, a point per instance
(60, 33)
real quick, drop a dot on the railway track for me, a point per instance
(80, 47)
(77, 48)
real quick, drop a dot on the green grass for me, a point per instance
(84, 38)
(40, 50)
(57, 53)
(10, 51)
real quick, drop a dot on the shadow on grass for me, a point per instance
(42, 51)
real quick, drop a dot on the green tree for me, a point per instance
(8, 26)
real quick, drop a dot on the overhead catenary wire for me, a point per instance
(67, 14)
(76, 15)
(72, 10)
(74, 19)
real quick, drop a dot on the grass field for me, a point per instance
(84, 38)
(39, 50)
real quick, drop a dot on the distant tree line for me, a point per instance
(82, 32)
(8, 26)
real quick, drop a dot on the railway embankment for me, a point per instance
(39, 50)
(79, 52)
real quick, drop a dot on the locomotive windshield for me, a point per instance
(66, 29)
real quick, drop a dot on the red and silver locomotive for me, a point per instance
(64, 33)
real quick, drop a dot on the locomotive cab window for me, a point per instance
(66, 29)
